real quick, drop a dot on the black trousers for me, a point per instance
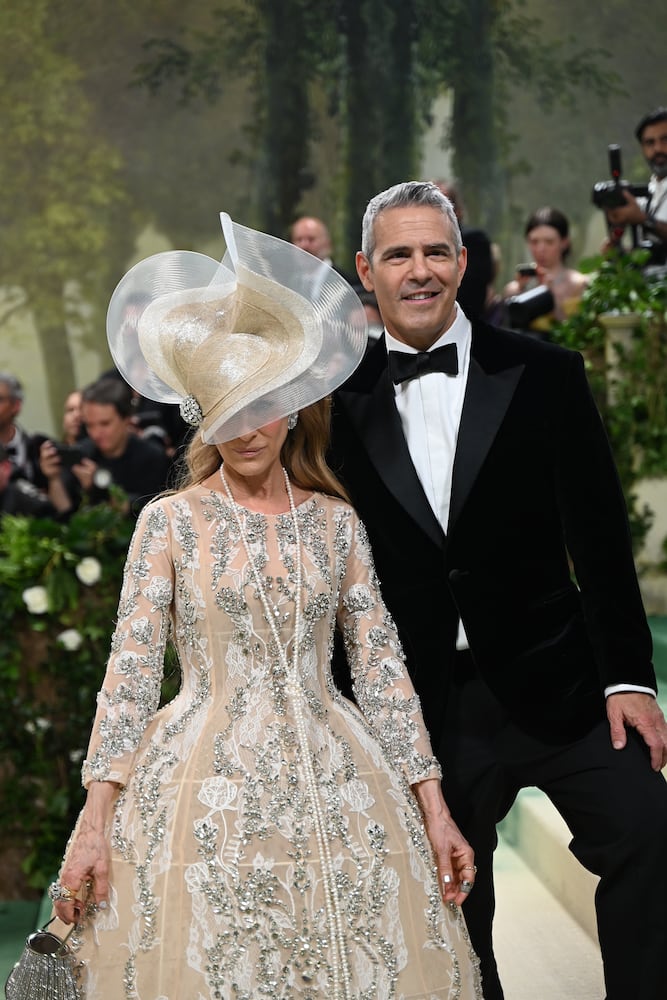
(614, 804)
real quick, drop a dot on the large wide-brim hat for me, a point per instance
(240, 343)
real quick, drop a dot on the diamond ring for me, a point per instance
(60, 892)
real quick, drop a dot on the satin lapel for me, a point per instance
(376, 421)
(484, 407)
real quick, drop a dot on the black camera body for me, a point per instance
(69, 456)
(522, 309)
(609, 194)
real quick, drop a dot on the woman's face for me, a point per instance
(72, 416)
(255, 455)
(547, 246)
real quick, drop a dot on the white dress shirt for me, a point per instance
(430, 409)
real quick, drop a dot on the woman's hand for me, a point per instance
(454, 857)
(88, 857)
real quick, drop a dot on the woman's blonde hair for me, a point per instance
(303, 454)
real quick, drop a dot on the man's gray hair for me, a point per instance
(405, 195)
(14, 387)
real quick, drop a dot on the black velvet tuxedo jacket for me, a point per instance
(535, 503)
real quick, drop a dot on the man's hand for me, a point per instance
(630, 214)
(642, 712)
(85, 473)
(49, 460)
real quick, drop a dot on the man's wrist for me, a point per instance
(620, 688)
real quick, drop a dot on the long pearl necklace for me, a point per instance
(342, 984)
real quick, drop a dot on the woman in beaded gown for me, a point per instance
(260, 835)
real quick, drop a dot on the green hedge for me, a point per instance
(59, 587)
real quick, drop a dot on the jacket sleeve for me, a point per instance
(597, 536)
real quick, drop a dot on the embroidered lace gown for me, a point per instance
(265, 843)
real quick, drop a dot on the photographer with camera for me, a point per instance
(19, 495)
(545, 290)
(649, 213)
(112, 454)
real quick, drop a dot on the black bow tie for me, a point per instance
(403, 367)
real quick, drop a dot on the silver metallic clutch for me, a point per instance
(46, 970)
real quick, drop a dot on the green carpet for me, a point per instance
(17, 920)
(659, 633)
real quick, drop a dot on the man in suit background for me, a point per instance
(479, 464)
(312, 235)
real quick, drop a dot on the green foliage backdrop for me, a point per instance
(52, 660)
(59, 587)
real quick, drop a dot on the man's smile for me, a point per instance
(419, 296)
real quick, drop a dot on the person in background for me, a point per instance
(19, 496)
(111, 454)
(479, 464)
(22, 449)
(649, 214)
(312, 235)
(73, 429)
(479, 272)
(547, 235)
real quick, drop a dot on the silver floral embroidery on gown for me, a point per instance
(256, 855)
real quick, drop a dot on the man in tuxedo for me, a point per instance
(478, 461)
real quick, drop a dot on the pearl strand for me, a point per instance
(332, 901)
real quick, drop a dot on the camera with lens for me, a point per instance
(609, 194)
(69, 456)
(528, 306)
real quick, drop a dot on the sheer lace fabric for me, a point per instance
(238, 871)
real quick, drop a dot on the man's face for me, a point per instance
(414, 273)
(106, 428)
(654, 147)
(312, 235)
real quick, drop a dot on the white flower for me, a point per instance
(36, 600)
(357, 794)
(217, 793)
(71, 639)
(40, 724)
(88, 571)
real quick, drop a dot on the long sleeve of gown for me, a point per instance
(382, 686)
(130, 692)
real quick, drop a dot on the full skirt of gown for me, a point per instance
(265, 841)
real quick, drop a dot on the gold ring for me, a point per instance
(469, 868)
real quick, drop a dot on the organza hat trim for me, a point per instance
(266, 332)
